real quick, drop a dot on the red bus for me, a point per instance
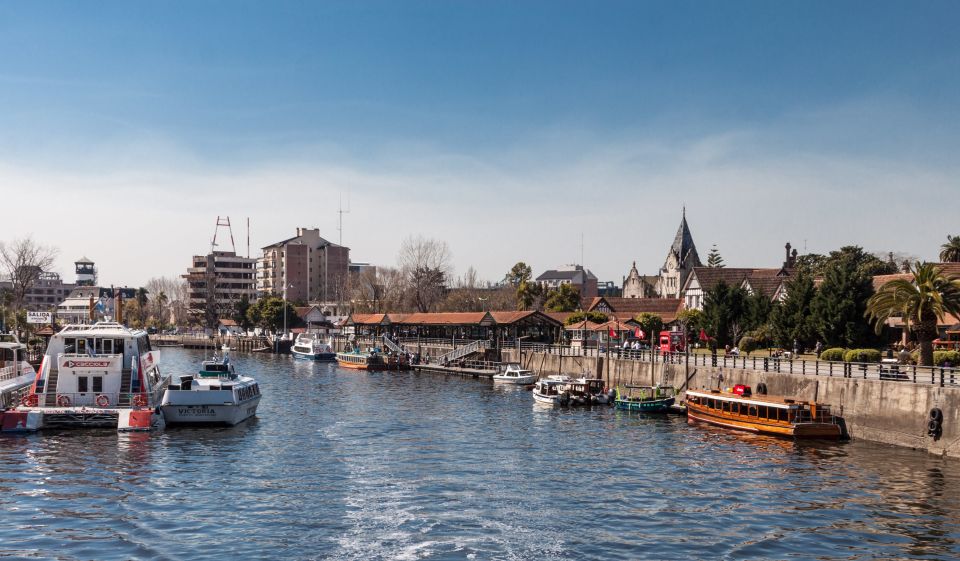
(672, 342)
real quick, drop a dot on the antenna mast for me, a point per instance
(341, 212)
(223, 222)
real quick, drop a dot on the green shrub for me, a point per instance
(941, 357)
(835, 354)
(748, 344)
(862, 355)
(595, 317)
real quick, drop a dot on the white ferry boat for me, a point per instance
(215, 395)
(16, 373)
(100, 375)
(309, 346)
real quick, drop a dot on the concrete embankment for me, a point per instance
(891, 412)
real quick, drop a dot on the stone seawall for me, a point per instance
(890, 412)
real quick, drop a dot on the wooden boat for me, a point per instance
(645, 399)
(588, 391)
(764, 414)
(359, 360)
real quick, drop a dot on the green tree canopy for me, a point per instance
(519, 273)
(921, 301)
(841, 302)
(565, 298)
(713, 258)
(240, 316)
(724, 310)
(268, 314)
(651, 324)
(791, 320)
(595, 317)
(529, 294)
(950, 251)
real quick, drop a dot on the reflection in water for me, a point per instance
(348, 465)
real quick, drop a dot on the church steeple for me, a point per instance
(683, 247)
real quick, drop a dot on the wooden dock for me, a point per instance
(465, 372)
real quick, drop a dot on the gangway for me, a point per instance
(393, 346)
(461, 352)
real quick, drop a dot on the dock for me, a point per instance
(456, 370)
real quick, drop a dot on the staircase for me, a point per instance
(462, 352)
(50, 399)
(123, 399)
(390, 344)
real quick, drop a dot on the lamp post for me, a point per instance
(285, 308)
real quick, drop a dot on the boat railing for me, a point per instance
(10, 372)
(100, 400)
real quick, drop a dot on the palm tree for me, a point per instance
(923, 300)
(950, 251)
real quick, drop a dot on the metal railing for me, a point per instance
(388, 343)
(460, 352)
(934, 375)
(98, 400)
(11, 372)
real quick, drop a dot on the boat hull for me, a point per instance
(662, 405)
(697, 414)
(208, 413)
(524, 380)
(320, 357)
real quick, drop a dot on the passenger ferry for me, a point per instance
(16, 374)
(764, 414)
(309, 346)
(100, 375)
(215, 395)
(359, 360)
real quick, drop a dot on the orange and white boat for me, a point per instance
(359, 360)
(764, 414)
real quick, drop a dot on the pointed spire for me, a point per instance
(683, 246)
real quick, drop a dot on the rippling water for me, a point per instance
(348, 465)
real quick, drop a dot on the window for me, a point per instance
(69, 345)
(82, 384)
(97, 384)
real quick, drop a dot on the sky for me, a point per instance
(536, 131)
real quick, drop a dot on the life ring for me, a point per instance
(139, 400)
(936, 414)
(29, 400)
(63, 400)
(102, 400)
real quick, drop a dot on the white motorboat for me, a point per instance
(513, 374)
(100, 375)
(310, 347)
(551, 391)
(16, 373)
(215, 395)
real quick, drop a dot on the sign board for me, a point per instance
(74, 362)
(39, 317)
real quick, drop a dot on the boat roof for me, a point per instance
(101, 328)
(779, 401)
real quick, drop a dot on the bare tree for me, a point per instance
(24, 260)
(377, 290)
(425, 264)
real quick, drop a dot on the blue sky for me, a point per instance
(506, 128)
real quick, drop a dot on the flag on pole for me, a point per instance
(639, 334)
(703, 335)
(612, 334)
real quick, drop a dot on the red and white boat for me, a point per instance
(15, 372)
(100, 375)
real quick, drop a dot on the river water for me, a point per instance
(347, 465)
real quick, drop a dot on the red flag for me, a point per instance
(703, 335)
(612, 334)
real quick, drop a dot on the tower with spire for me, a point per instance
(681, 259)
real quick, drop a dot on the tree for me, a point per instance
(268, 314)
(865, 263)
(519, 273)
(756, 311)
(240, 315)
(23, 260)
(713, 258)
(840, 304)
(691, 321)
(791, 319)
(565, 298)
(950, 251)
(921, 301)
(425, 264)
(723, 312)
(651, 324)
(577, 317)
(529, 295)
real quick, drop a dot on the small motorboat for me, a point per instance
(310, 347)
(551, 391)
(215, 395)
(514, 374)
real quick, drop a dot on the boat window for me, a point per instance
(762, 412)
(69, 345)
(726, 406)
(81, 346)
(752, 411)
(82, 384)
(214, 388)
(783, 414)
(118, 346)
(98, 384)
